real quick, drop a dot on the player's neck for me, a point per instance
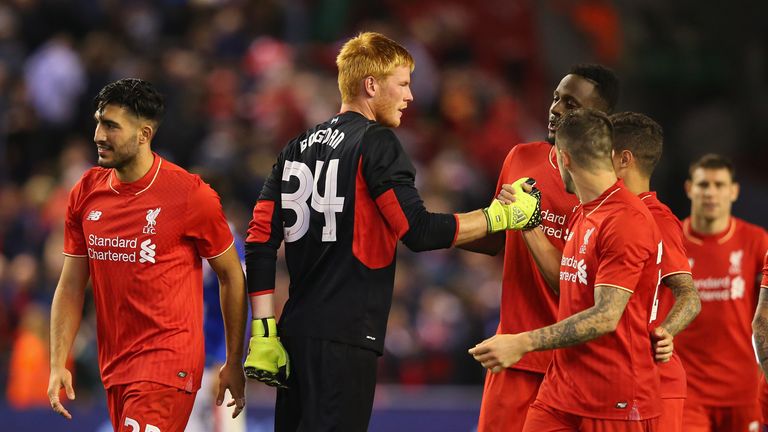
(359, 107)
(592, 184)
(137, 169)
(636, 182)
(709, 226)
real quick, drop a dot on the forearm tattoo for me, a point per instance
(760, 329)
(586, 325)
(687, 303)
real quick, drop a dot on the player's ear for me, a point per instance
(146, 132)
(370, 86)
(626, 158)
(734, 191)
(687, 187)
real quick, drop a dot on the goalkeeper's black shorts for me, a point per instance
(330, 387)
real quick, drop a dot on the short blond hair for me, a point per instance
(368, 54)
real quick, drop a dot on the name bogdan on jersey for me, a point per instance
(146, 249)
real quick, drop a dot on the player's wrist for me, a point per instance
(264, 327)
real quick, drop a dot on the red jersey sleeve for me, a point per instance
(74, 239)
(206, 223)
(624, 245)
(674, 258)
(764, 282)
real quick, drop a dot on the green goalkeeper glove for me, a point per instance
(267, 360)
(523, 214)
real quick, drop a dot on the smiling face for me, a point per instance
(116, 136)
(392, 96)
(573, 92)
(712, 191)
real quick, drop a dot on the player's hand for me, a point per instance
(267, 360)
(231, 378)
(663, 344)
(60, 377)
(500, 351)
(515, 207)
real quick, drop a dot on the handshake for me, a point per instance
(524, 213)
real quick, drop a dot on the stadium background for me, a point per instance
(242, 77)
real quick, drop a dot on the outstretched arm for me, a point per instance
(503, 351)
(66, 313)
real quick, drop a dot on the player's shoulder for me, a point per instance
(748, 228)
(659, 210)
(93, 178)
(529, 155)
(626, 209)
(184, 181)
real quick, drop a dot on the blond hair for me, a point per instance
(368, 54)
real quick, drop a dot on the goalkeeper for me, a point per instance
(341, 195)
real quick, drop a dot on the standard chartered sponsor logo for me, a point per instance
(720, 289)
(579, 275)
(120, 249)
(147, 251)
(557, 220)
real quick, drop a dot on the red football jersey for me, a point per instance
(763, 388)
(527, 302)
(716, 349)
(143, 241)
(613, 241)
(673, 261)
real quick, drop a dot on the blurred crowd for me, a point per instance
(242, 77)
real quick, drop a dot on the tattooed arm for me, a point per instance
(760, 329)
(504, 350)
(687, 302)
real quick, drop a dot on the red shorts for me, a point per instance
(671, 419)
(506, 398)
(149, 407)
(544, 418)
(702, 418)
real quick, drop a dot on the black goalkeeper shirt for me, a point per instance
(340, 196)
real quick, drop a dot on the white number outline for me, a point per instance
(328, 204)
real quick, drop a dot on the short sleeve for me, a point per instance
(625, 244)
(206, 224)
(674, 258)
(74, 238)
(385, 163)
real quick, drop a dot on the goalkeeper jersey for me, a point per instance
(673, 261)
(527, 302)
(144, 241)
(613, 241)
(716, 349)
(340, 196)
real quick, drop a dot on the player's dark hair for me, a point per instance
(712, 161)
(587, 135)
(135, 95)
(641, 135)
(604, 79)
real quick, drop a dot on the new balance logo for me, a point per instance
(147, 252)
(151, 221)
(94, 215)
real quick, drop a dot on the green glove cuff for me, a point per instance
(264, 327)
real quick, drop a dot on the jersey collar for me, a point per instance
(139, 186)
(699, 238)
(592, 206)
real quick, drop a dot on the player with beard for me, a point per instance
(637, 148)
(602, 376)
(340, 196)
(526, 301)
(137, 226)
(726, 255)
